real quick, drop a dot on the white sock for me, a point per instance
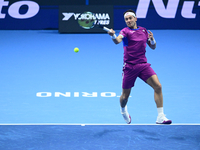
(160, 110)
(123, 109)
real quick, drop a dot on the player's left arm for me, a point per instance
(151, 41)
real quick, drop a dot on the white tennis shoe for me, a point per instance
(161, 119)
(126, 115)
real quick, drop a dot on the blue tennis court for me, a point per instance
(48, 90)
(103, 137)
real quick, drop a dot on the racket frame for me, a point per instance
(96, 22)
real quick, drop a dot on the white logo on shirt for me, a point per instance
(132, 31)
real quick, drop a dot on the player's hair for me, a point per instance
(130, 10)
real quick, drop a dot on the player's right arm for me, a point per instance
(117, 39)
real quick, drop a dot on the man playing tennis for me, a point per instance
(135, 64)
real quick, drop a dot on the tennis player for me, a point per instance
(134, 40)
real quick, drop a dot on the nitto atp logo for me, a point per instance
(166, 12)
(13, 10)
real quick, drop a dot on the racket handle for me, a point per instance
(106, 29)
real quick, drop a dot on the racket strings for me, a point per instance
(87, 20)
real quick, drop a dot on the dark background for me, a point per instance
(48, 15)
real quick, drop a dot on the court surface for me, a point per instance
(45, 84)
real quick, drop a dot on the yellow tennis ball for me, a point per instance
(76, 49)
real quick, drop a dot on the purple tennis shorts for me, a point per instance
(131, 72)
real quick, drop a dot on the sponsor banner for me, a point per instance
(44, 14)
(27, 15)
(68, 22)
(53, 2)
(154, 14)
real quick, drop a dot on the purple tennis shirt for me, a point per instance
(134, 43)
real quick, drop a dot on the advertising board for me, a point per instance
(44, 14)
(68, 22)
(155, 14)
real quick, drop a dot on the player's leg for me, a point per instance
(158, 96)
(130, 73)
(155, 84)
(123, 101)
(124, 97)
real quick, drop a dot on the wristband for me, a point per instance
(114, 36)
(153, 42)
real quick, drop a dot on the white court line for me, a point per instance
(82, 124)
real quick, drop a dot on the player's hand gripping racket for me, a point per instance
(88, 20)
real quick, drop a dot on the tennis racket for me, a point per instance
(88, 20)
